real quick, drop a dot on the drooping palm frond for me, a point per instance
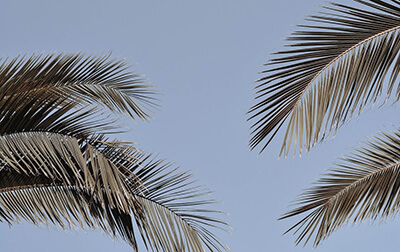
(172, 197)
(173, 213)
(38, 199)
(88, 80)
(166, 208)
(72, 161)
(57, 166)
(334, 67)
(52, 178)
(365, 185)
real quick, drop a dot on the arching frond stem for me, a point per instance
(340, 56)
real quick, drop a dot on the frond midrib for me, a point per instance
(340, 56)
(33, 186)
(72, 84)
(166, 208)
(56, 132)
(357, 182)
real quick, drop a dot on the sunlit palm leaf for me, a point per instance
(365, 185)
(334, 68)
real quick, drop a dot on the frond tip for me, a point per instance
(366, 185)
(335, 67)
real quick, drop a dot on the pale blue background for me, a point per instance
(203, 56)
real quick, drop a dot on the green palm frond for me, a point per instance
(334, 68)
(88, 80)
(365, 185)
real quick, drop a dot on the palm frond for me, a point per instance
(57, 166)
(366, 185)
(122, 182)
(38, 199)
(334, 68)
(66, 159)
(174, 213)
(48, 113)
(92, 79)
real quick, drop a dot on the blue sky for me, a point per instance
(203, 57)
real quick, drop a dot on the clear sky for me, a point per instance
(203, 57)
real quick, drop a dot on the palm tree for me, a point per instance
(336, 65)
(57, 165)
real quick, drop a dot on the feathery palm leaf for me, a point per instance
(46, 113)
(365, 185)
(38, 199)
(66, 159)
(334, 67)
(174, 213)
(77, 78)
(159, 201)
(57, 166)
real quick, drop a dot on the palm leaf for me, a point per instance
(174, 217)
(75, 77)
(57, 166)
(334, 68)
(38, 199)
(173, 213)
(366, 185)
(51, 178)
(66, 159)
(47, 113)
